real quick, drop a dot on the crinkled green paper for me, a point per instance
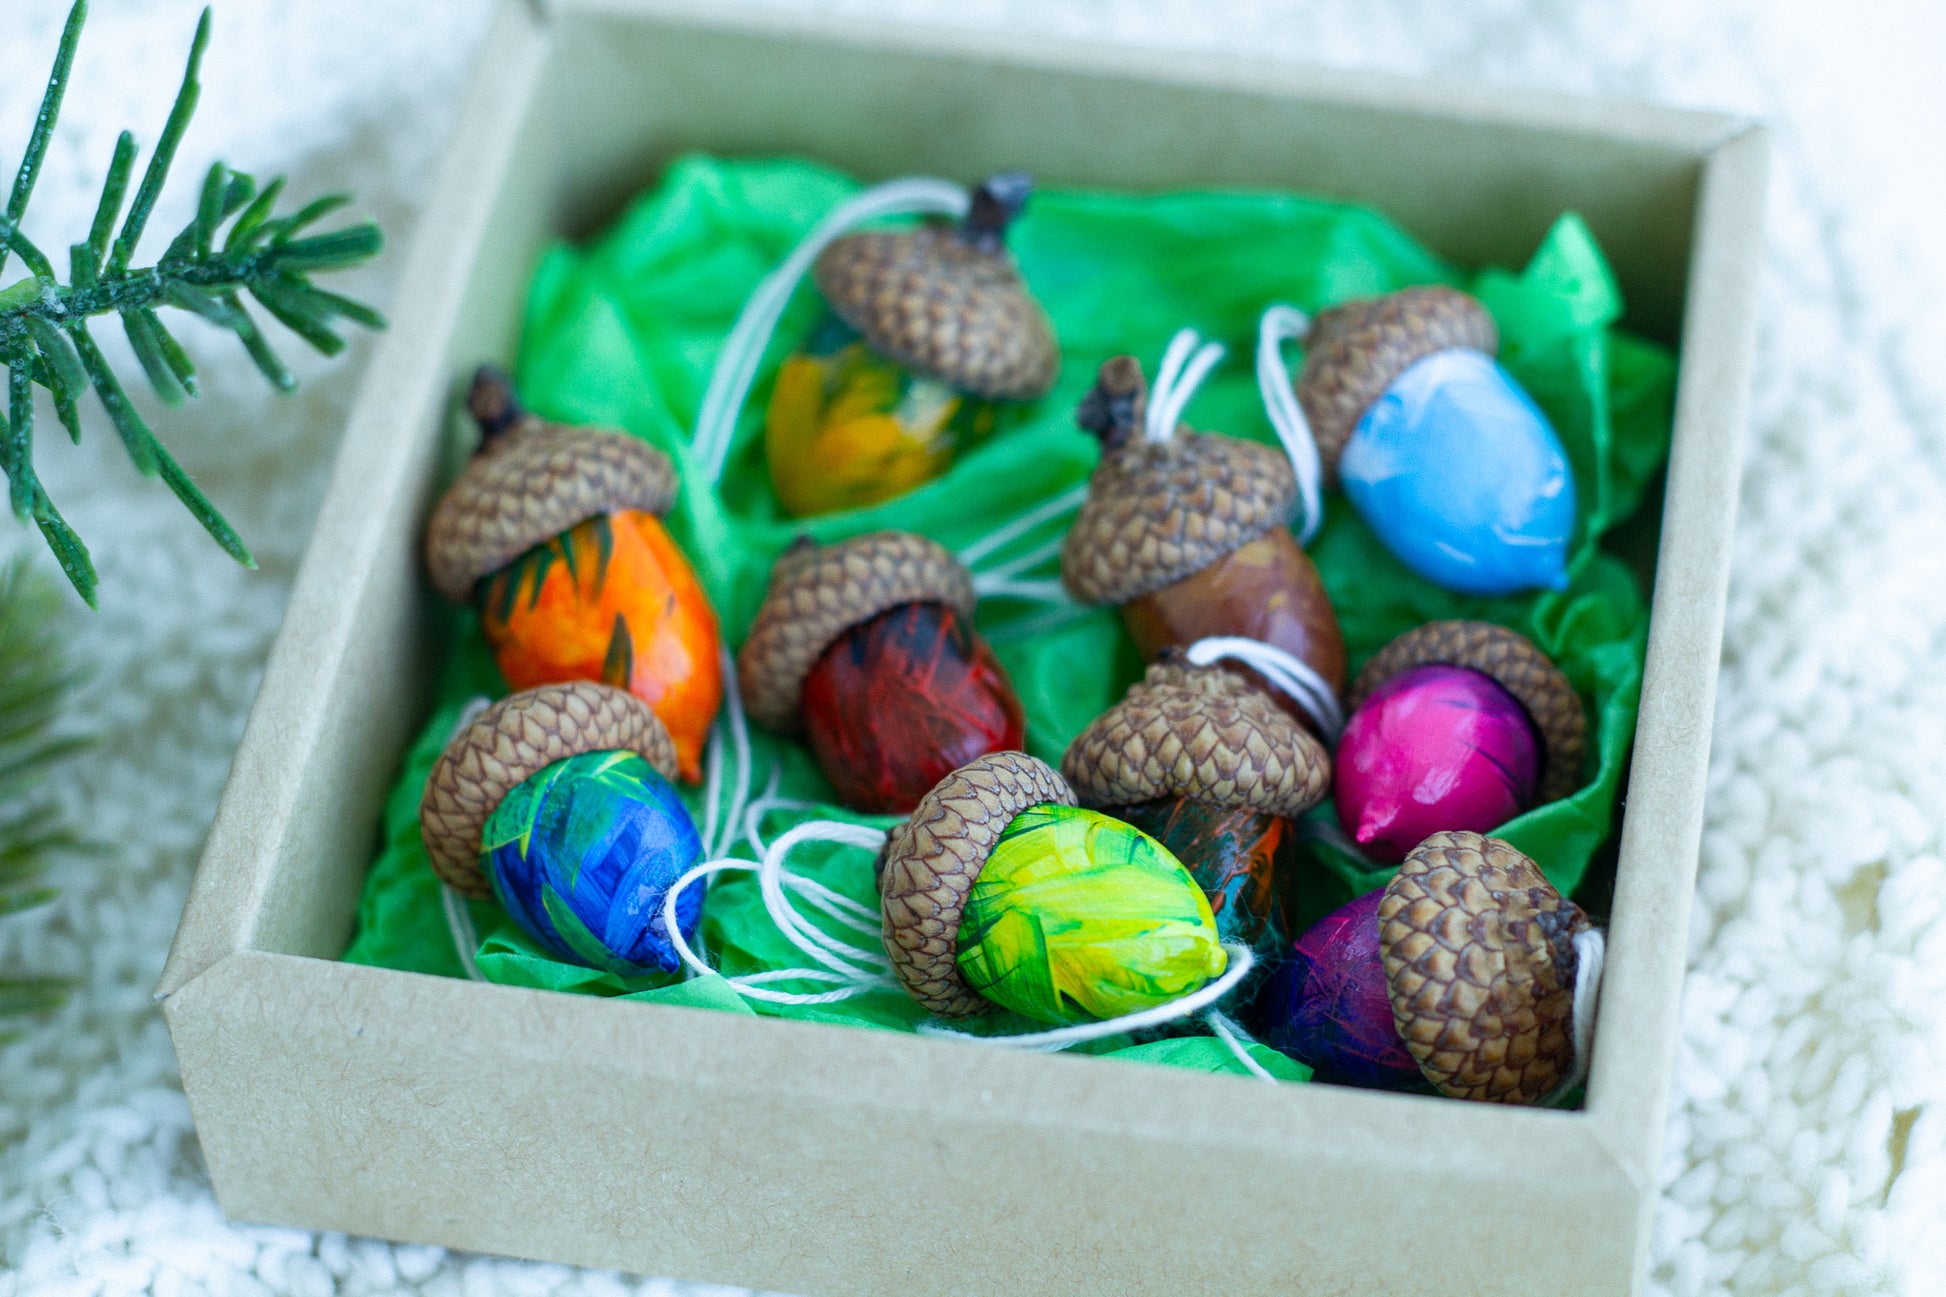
(624, 333)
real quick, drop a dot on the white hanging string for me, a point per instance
(1289, 674)
(1045, 623)
(1225, 1029)
(1590, 949)
(1185, 1006)
(743, 350)
(1184, 367)
(1281, 324)
(1047, 511)
(851, 969)
(1043, 590)
(737, 726)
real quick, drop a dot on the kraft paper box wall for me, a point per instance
(822, 1160)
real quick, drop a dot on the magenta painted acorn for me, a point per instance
(1458, 727)
(1330, 1006)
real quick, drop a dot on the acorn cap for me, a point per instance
(1354, 352)
(530, 481)
(1158, 511)
(818, 592)
(515, 738)
(948, 301)
(930, 863)
(1204, 733)
(1479, 956)
(1520, 668)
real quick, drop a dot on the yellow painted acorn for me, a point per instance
(1000, 891)
(554, 534)
(927, 328)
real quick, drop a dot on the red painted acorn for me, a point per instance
(1459, 726)
(867, 648)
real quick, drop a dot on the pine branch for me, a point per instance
(206, 271)
(34, 682)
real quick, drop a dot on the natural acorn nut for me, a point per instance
(999, 890)
(1448, 460)
(560, 801)
(1480, 957)
(1512, 661)
(554, 533)
(1203, 760)
(927, 329)
(1191, 536)
(867, 647)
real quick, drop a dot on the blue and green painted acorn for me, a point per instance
(560, 801)
(1000, 892)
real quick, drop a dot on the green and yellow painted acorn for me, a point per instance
(1000, 892)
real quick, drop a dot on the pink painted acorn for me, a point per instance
(1459, 726)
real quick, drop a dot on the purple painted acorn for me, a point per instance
(1330, 1005)
(1459, 726)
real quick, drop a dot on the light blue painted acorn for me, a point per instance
(558, 800)
(1449, 462)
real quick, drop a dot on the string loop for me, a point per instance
(1291, 675)
(1185, 365)
(1278, 325)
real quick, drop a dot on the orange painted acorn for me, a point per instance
(554, 533)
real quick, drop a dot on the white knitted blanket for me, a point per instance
(1807, 1148)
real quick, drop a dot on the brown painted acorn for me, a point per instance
(1206, 762)
(1480, 957)
(1515, 664)
(554, 533)
(1000, 891)
(1191, 536)
(927, 328)
(1355, 351)
(867, 647)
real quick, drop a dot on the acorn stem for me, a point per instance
(996, 203)
(493, 404)
(1113, 407)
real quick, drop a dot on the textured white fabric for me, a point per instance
(1807, 1148)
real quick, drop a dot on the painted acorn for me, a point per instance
(1441, 452)
(554, 534)
(999, 890)
(927, 329)
(558, 800)
(1191, 536)
(1458, 725)
(867, 648)
(1203, 760)
(1461, 975)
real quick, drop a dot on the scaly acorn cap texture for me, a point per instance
(1479, 957)
(1519, 667)
(530, 481)
(1158, 511)
(930, 863)
(948, 301)
(515, 738)
(1354, 352)
(1204, 733)
(818, 592)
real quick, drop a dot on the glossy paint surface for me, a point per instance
(1267, 590)
(582, 854)
(1328, 1005)
(1461, 475)
(612, 599)
(1435, 749)
(1076, 916)
(901, 701)
(1231, 852)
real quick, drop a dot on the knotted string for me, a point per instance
(1289, 674)
(749, 338)
(1281, 324)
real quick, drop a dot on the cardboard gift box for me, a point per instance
(822, 1160)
